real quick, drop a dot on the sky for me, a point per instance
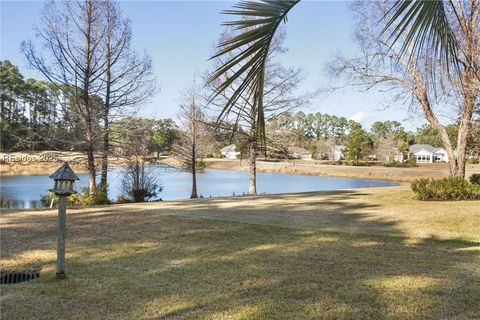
(180, 35)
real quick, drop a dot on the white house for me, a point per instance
(230, 152)
(425, 153)
(300, 153)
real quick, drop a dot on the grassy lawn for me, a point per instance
(364, 254)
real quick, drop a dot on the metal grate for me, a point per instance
(16, 277)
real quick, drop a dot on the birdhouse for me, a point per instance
(64, 179)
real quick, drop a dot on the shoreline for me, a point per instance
(311, 168)
(77, 160)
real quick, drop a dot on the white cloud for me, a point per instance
(359, 117)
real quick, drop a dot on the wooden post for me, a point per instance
(62, 218)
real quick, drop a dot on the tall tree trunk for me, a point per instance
(194, 173)
(91, 169)
(87, 103)
(106, 129)
(252, 162)
(105, 151)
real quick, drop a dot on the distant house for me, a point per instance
(230, 152)
(425, 153)
(337, 152)
(299, 153)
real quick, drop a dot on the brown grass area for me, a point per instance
(435, 170)
(354, 254)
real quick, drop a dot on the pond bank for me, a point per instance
(45, 162)
(24, 191)
(435, 171)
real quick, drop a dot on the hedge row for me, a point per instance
(445, 189)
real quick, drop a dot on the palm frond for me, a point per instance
(422, 23)
(257, 23)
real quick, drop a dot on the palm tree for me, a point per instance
(422, 23)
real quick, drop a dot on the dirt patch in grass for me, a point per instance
(366, 254)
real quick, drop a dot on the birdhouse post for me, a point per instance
(64, 179)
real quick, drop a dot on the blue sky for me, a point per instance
(179, 36)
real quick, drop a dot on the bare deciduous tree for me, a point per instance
(424, 83)
(195, 138)
(140, 182)
(387, 148)
(86, 53)
(127, 80)
(72, 35)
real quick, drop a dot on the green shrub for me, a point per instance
(475, 178)
(453, 188)
(358, 163)
(406, 164)
(473, 161)
(79, 199)
(75, 200)
(99, 196)
(335, 162)
(200, 165)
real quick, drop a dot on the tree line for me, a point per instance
(319, 132)
(423, 54)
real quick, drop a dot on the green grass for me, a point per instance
(366, 254)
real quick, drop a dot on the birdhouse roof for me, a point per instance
(64, 173)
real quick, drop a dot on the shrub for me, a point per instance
(475, 178)
(139, 182)
(358, 163)
(406, 164)
(79, 199)
(99, 196)
(452, 188)
(75, 200)
(122, 199)
(473, 161)
(335, 162)
(200, 165)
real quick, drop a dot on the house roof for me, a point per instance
(299, 150)
(417, 147)
(230, 147)
(64, 173)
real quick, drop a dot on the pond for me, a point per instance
(25, 191)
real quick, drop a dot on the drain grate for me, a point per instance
(16, 277)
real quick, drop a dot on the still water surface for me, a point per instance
(25, 191)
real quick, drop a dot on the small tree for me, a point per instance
(359, 144)
(195, 137)
(387, 147)
(139, 181)
(163, 136)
